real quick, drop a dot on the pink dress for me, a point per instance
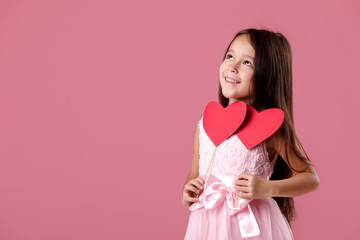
(219, 214)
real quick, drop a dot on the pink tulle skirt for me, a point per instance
(218, 224)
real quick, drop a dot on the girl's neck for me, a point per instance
(245, 100)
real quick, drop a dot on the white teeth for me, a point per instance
(230, 80)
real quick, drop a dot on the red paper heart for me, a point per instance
(259, 126)
(220, 123)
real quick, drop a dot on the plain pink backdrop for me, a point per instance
(99, 102)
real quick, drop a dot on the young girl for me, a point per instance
(256, 69)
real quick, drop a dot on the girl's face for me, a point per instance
(238, 66)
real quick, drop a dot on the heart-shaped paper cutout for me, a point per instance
(259, 126)
(220, 123)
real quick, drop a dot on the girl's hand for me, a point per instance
(191, 191)
(251, 186)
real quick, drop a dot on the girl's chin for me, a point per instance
(230, 96)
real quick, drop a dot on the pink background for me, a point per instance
(99, 102)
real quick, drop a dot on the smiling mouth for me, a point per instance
(229, 80)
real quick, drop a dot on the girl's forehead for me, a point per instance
(242, 45)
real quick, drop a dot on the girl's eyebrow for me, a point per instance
(230, 50)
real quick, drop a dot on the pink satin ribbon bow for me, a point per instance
(216, 192)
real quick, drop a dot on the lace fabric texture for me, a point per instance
(230, 156)
(217, 214)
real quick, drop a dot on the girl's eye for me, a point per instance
(248, 62)
(228, 55)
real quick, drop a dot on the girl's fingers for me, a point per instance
(196, 184)
(242, 182)
(243, 195)
(191, 188)
(243, 189)
(200, 180)
(190, 199)
(244, 176)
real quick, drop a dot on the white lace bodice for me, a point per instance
(229, 157)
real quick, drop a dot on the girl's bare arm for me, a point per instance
(300, 183)
(194, 167)
(193, 184)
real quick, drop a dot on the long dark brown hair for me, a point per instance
(273, 89)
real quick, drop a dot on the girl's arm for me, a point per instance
(194, 167)
(193, 184)
(300, 183)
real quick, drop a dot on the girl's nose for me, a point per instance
(232, 68)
